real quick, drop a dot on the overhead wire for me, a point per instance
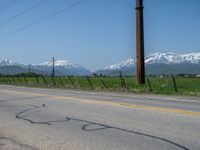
(10, 4)
(22, 13)
(43, 19)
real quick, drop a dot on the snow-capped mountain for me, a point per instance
(127, 63)
(60, 63)
(11, 67)
(191, 58)
(158, 63)
(7, 62)
(173, 58)
(62, 67)
(160, 58)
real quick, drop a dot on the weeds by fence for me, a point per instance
(165, 85)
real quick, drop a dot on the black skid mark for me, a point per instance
(89, 123)
(25, 117)
(20, 116)
(103, 127)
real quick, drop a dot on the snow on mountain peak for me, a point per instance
(7, 62)
(173, 58)
(156, 58)
(126, 63)
(63, 67)
(163, 58)
(59, 63)
(191, 58)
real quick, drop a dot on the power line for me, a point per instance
(22, 13)
(44, 18)
(10, 4)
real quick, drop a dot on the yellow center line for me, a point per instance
(118, 104)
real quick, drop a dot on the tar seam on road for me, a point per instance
(89, 123)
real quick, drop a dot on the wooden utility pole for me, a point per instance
(53, 69)
(140, 64)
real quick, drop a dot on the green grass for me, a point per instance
(185, 86)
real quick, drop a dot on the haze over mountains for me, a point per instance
(156, 64)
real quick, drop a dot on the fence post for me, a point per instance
(25, 79)
(61, 81)
(89, 82)
(149, 84)
(54, 83)
(103, 83)
(3, 79)
(174, 82)
(45, 82)
(7, 78)
(19, 79)
(123, 83)
(36, 78)
(123, 80)
(72, 83)
(120, 75)
(10, 79)
(13, 80)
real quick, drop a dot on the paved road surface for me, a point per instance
(45, 119)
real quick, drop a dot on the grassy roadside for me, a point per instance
(165, 85)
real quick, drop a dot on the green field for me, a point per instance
(164, 85)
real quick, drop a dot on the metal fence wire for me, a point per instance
(162, 85)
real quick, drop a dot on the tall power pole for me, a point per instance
(53, 69)
(140, 65)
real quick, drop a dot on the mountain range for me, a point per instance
(156, 64)
(62, 67)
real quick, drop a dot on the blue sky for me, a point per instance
(97, 32)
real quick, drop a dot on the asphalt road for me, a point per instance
(50, 119)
